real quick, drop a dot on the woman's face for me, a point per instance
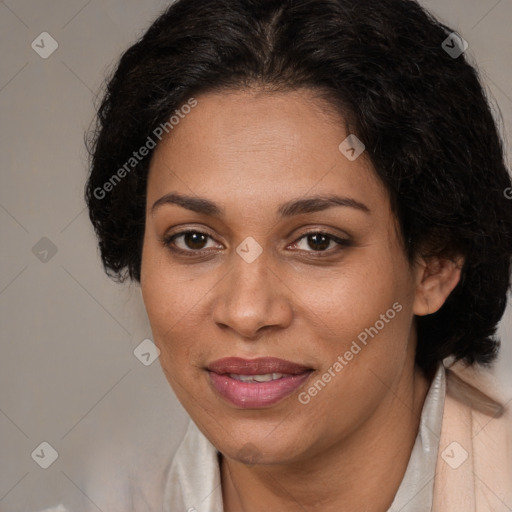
(249, 282)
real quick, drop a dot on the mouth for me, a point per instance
(256, 383)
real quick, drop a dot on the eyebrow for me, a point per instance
(288, 209)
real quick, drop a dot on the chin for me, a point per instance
(261, 448)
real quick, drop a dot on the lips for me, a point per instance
(259, 366)
(256, 383)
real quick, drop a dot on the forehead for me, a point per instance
(260, 148)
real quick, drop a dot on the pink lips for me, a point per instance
(256, 394)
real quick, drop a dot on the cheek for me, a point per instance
(364, 316)
(170, 305)
(169, 298)
(170, 310)
(352, 297)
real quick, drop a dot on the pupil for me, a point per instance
(195, 240)
(321, 241)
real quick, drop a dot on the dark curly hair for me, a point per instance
(420, 110)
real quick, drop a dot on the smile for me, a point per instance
(267, 377)
(256, 383)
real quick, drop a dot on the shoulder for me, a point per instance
(474, 469)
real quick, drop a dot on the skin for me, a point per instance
(250, 151)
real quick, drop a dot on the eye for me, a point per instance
(320, 242)
(193, 243)
(188, 242)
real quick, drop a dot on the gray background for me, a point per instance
(68, 374)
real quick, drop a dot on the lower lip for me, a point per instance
(256, 394)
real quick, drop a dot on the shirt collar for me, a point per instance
(417, 488)
(194, 483)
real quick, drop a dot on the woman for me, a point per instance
(311, 196)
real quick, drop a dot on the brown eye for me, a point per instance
(318, 241)
(188, 242)
(195, 240)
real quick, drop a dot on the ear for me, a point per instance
(436, 277)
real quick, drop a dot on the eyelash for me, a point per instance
(168, 242)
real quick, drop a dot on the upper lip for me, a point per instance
(259, 366)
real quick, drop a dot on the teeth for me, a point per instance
(267, 377)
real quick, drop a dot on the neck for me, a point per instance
(361, 473)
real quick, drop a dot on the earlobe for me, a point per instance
(436, 278)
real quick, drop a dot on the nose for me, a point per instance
(252, 299)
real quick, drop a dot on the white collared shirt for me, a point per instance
(194, 483)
